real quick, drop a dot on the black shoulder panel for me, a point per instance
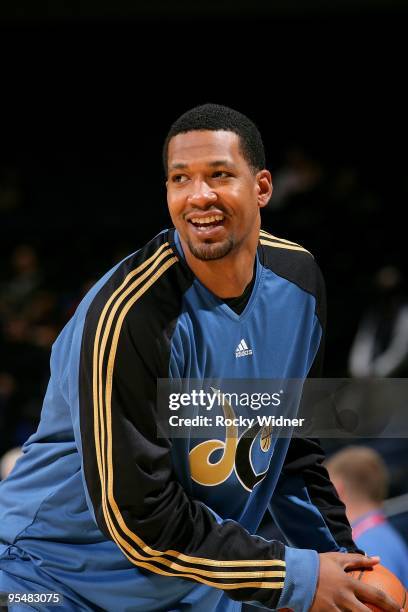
(291, 261)
(146, 290)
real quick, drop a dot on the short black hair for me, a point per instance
(218, 117)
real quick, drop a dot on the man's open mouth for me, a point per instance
(207, 222)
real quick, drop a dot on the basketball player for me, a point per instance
(105, 513)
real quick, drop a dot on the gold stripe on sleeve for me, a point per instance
(288, 247)
(264, 234)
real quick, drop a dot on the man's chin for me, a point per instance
(210, 251)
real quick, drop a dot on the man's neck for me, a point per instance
(357, 509)
(226, 277)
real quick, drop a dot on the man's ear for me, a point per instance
(264, 187)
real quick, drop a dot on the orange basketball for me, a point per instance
(385, 580)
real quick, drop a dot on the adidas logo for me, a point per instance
(242, 349)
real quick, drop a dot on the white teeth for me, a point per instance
(201, 221)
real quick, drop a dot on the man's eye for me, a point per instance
(221, 174)
(179, 178)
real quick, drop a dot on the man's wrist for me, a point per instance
(302, 572)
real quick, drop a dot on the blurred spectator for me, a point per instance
(299, 174)
(25, 277)
(380, 347)
(30, 320)
(24, 371)
(10, 189)
(8, 461)
(361, 479)
(380, 350)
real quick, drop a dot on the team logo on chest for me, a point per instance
(237, 454)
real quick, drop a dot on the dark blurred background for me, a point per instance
(88, 91)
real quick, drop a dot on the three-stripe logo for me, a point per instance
(243, 349)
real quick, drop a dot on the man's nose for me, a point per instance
(201, 194)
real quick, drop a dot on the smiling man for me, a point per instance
(214, 196)
(105, 513)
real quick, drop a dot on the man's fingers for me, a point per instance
(373, 595)
(355, 561)
(336, 591)
(358, 606)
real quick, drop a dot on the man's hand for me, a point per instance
(338, 592)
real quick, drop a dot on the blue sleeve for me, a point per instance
(292, 510)
(302, 571)
(300, 583)
(305, 504)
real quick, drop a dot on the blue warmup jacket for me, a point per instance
(103, 511)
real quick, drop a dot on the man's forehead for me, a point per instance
(208, 145)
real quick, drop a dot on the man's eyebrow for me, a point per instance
(221, 162)
(214, 164)
(178, 166)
